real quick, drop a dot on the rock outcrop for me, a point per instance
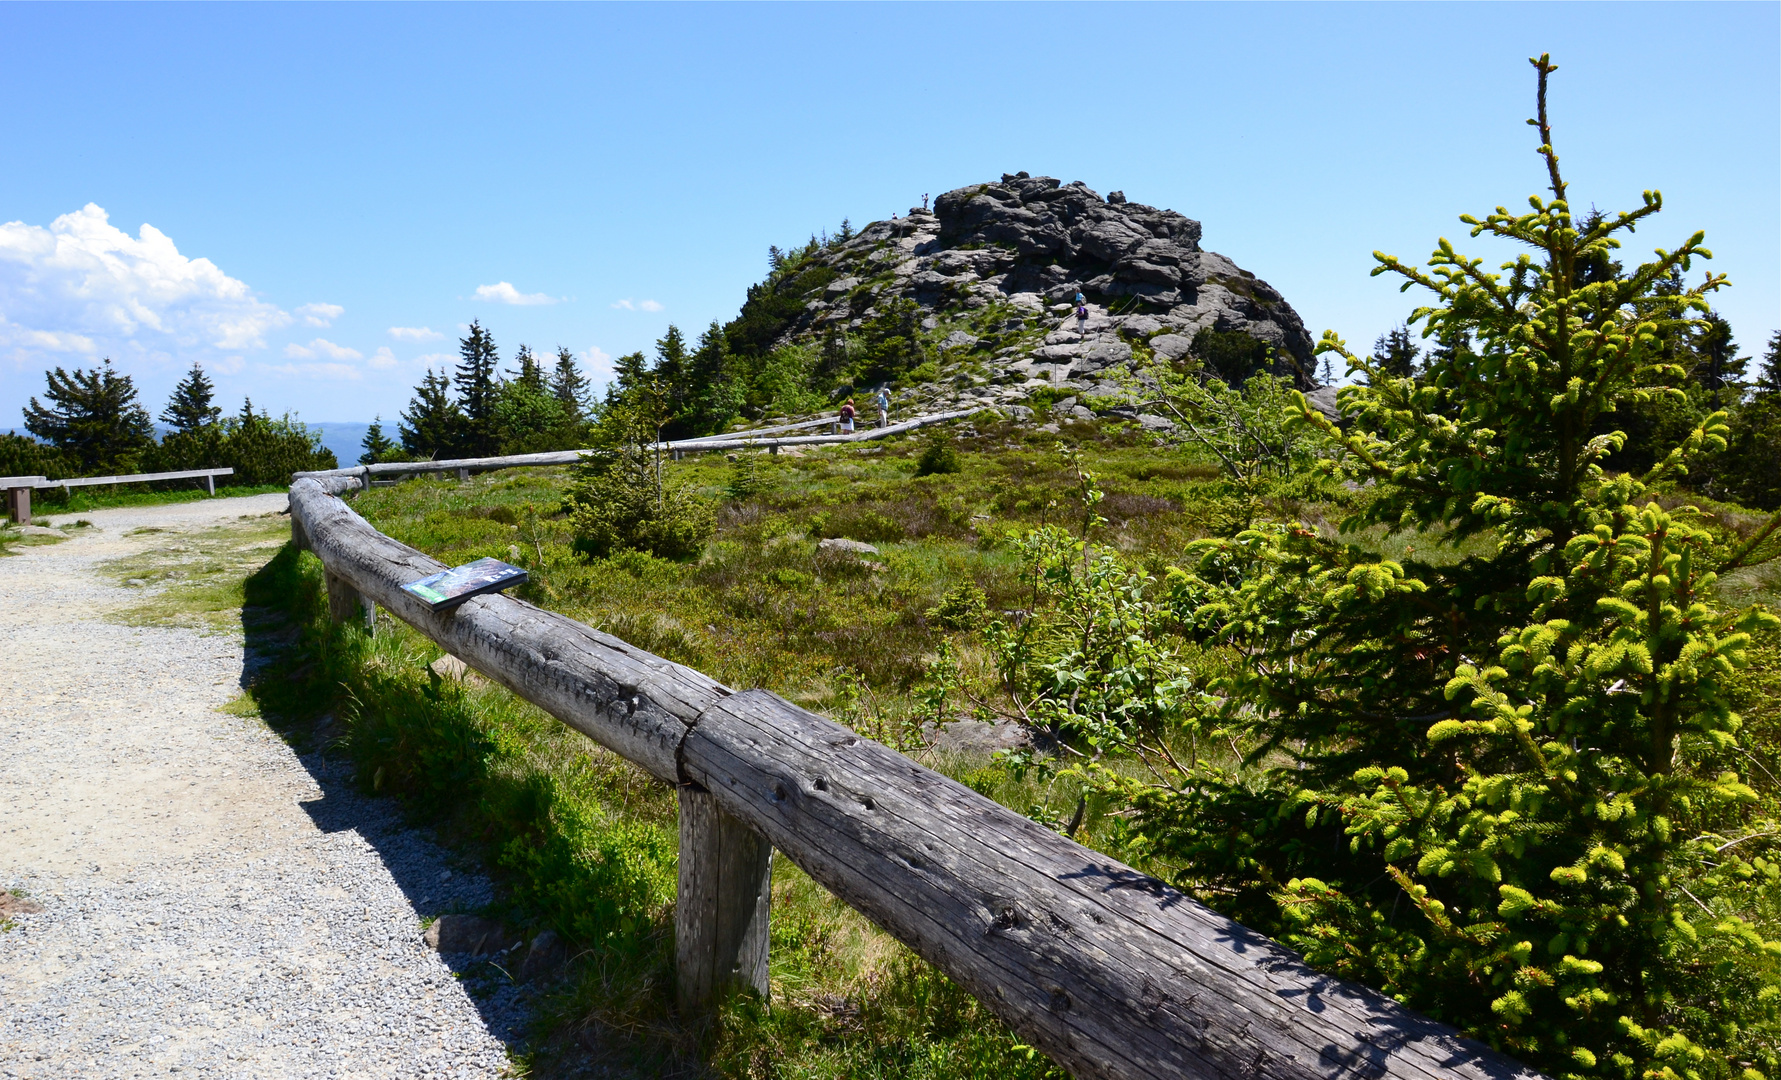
(996, 267)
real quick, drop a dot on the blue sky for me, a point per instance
(363, 180)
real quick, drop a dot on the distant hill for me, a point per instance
(346, 440)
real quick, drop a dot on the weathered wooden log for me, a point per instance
(721, 906)
(733, 441)
(1108, 970)
(346, 603)
(630, 701)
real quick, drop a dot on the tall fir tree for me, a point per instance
(432, 423)
(716, 397)
(478, 388)
(671, 370)
(568, 385)
(1768, 377)
(94, 417)
(529, 373)
(376, 444)
(1395, 353)
(630, 373)
(1718, 365)
(191, 406)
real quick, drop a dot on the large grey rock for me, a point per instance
(977, 738)
(547, 953)
(1171, 346)
(1030, 243)
(467, 934)
(841, 546)
(1323, 399)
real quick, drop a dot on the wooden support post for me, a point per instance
(18, 505)
(463, 474)
(720, 916)
(299, 540)
(345, 602)
(210, 483)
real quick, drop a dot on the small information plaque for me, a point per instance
(449, 588)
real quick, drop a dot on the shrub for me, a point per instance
(629, 506)
(963, 608)
(1499, 787)
(938, 455)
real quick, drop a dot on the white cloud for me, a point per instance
(321, 314)
(382, 358)
(415, 333)
(503, 292)
(436, 358)
(323, 371)
(83, 286)
(628, 304)
(597, 366)
(322, 347)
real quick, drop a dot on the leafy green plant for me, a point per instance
(963, 608)
(624, 499)
(938, 455)
(1502, 788)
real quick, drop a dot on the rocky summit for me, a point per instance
(995, 269)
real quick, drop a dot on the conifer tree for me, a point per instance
(568, 385)
(431, 425)
(1719, 366)
(1395, 353)
(671, 369)
(191, 406)
(1500, 783)
(1768, 377)
(630, 373)
(94, 417)
(530, 373)
(477, 391)
(377, 445)
(716, 395)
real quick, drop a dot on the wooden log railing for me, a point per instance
(1111, 972)
(362, 475)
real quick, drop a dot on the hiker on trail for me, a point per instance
(847, 414)
(924, 200)
(1081, 310)
(882, 400)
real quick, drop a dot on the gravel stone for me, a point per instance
(213, 904)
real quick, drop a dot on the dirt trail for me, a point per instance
(210, 902)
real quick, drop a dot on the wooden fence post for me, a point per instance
(463, 474)
(344, 602)
(18, 505)
(720, 915)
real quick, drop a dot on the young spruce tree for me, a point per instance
(430, 426)
(478, 390)
(1500, 781)
(191, 407)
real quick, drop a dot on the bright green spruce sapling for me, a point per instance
(1501, 787)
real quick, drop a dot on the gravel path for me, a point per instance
(212, 903)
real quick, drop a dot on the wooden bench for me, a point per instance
(18, 497)
(18, 488)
